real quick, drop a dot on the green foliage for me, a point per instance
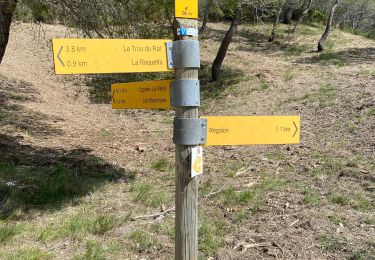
(34, 11)
(216, 14)
(115, 18)
(317, 16)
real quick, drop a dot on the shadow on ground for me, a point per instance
(347, 57)
(15, 117)
(228, 78)
(38, 178)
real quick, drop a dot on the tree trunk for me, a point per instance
(276, 21)
(288, 15)
(328, 27)
(205, 16)
(7, 8)
(216, 66)
(306, 7)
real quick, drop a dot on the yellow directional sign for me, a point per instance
(247, 130)
(141, 95)
(186, 9)
(94, 56)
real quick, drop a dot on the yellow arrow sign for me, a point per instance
(94, 56)
(186, 9)
(247, 130)
(141, 95)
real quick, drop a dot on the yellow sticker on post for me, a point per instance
(142, 95)
(186, 9)
(196, 161)
(97, 56)
(252, 130)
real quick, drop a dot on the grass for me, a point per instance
(7, 232)
(162, 165)
(312, 200)
(31, 253)
(277, 156)
(86, 221)
(229, 78)
(331, 58)
(336, 219)
(231, 168)
(253, 196)
(262, 86)
(288, 75)
(105, 134)
(149, 195)
(371, 112)
(211, 236)
(142, 241)
(339, 199)
(331, 244)
(93, 251)
(295, 50)
(327, 95)
(49, 186)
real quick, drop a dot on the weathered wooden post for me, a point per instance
(186, 225)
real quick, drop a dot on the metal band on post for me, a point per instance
(183, 54)
(189, 131)
(185, 93)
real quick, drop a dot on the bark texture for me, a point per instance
(7, 8)
(216, 66)
(205, 16)
(288, 15)
(328, 26)
(276, 21)
(306, 8)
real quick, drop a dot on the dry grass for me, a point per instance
(309, 201)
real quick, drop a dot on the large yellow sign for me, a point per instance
(186, 9)
(247, 130)
(141, 95)
(93, 56)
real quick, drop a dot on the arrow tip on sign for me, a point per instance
(295, 125)
(59, 58)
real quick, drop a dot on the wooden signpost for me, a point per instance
(95, 56)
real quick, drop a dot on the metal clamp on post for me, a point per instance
(185, 93)
(189, 131)
(183, 54)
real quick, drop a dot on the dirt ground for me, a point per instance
(314, 200)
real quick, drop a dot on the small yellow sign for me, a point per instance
(247, 130)
(196, 161)
(95, 56)
(141, 95)
(186, 9)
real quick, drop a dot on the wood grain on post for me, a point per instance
(186, 222)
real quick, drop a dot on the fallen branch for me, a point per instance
(244, 246)
(211, 194)
(154, 216)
